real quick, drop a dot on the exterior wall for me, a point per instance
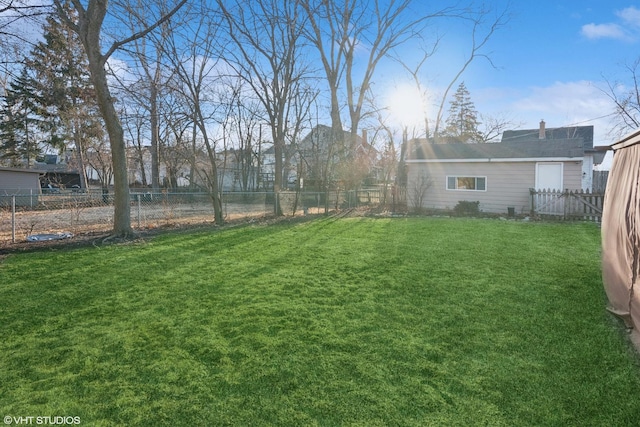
(21, 183)
(507, 184)
(587, 173)
(11, 180)
(573, 176)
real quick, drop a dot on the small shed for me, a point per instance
(23, 183)
(621, 234)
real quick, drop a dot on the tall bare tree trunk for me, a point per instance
(89, 28)
(155, 134)
(122, 208)
(82, 170)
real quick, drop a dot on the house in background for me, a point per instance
(58, 172)
(317, 156)
(266, 178)
(500, 175)
(316, 151)
(24, 183)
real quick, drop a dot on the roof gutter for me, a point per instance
(22, 170)
(499, 160)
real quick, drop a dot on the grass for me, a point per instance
(361, 322)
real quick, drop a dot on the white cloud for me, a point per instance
(565, 104)
(626, 28)
(121, 70)
(560, 104)
(630, 16)
(601, 31)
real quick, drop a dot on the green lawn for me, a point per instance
(361, 322)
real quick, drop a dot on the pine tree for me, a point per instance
(20, 122)
(70, 114)
(462, 122)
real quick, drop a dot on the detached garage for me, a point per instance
(24, 183)
(621, 234)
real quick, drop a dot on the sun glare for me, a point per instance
(406, 105)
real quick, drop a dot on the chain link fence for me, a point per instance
(29, 213)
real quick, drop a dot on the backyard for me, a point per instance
(335, 321)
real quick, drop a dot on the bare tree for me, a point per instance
(388, 161)
(20, 21)
(88, 26)
(493, 126)
(193, 53)
(245, 113)
(175, 150)
(626, 100)
(175, 153)
(99, 158)
(301, 115)
(16, 16)
(481, 33)
(480, 36)
(148, 62)
(338, 28)
(426, 52)
(419, 190)
(135, 126)
(264, 50)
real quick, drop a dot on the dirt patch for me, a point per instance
(99, 238)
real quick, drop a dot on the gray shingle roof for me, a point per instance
(560, 143)
(572, 132)
(499, 150)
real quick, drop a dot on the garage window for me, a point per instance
(467, 183)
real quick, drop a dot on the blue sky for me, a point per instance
(552, 60)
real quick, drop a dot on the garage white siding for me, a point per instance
(507, 184)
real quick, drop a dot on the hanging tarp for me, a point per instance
(621, 234)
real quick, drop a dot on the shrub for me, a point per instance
(465, 208)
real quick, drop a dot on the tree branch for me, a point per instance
(142, 33)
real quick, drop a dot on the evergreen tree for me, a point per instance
(70, 114)
(462, 122)
(20, 122)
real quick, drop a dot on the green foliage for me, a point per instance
(333, 322)
(466, 208)
(20, 122)
(463, 122)
(68, 105)
(52, 103)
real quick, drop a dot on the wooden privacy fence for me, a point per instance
(567, 204)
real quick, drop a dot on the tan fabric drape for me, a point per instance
(621, 237)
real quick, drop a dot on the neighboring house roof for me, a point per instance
(571, 132)
(6, 169)
(57, 168)
(319, 138)
(560, 143)
(272, 150)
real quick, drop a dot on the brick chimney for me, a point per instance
(542, 134)
(364, 137)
